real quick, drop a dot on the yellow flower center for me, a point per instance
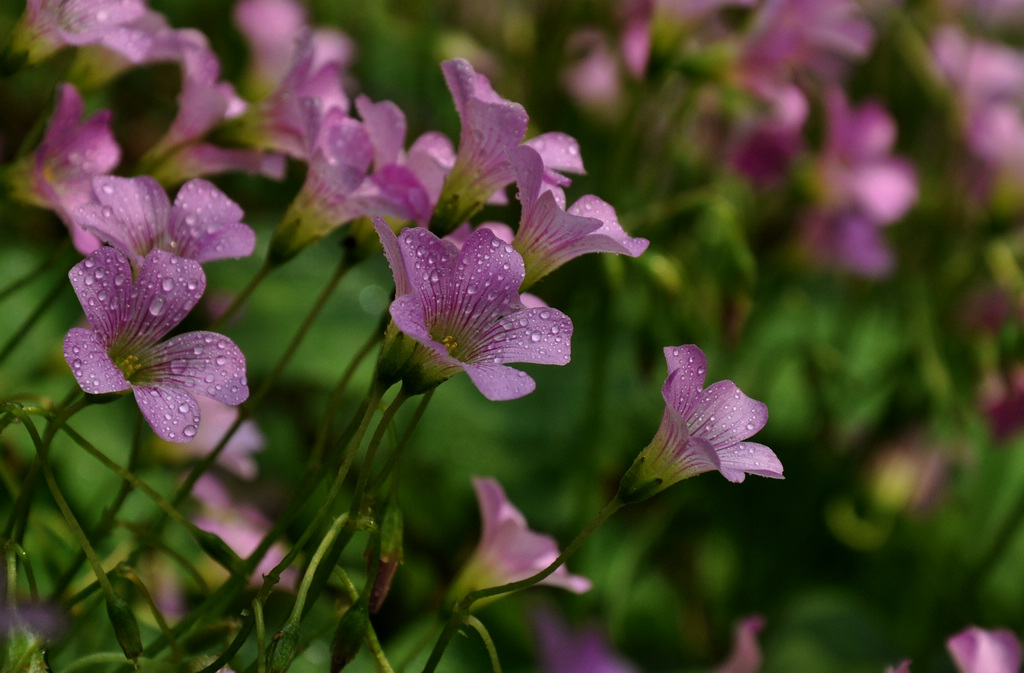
(450, 343)
(129, 365)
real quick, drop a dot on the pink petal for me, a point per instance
(92, 367)
(172, 413)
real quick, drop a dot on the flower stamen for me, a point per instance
(129, 365)
(450, 343)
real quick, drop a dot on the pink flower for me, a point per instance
(745, 656)
(462, 312)
(865, 188)
(58, 175)
(508, 550)
(123, 350)
(702, 430)
(549, 235)
(977, 650)
(565, 650)
(491, 125)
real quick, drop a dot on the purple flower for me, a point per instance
(135, 215)
(508, 550)
(340, 186)
(702, 430)
(491, 125)
(977, 650)
(58, 175)
(865, 187)
(123, 351)
(549, 236)
(462, 312)
(745, 656)
(281, 121)
(48, 25)
(563, 650)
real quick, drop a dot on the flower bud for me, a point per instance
(286, 644)
(349, 636)
(217, 549)
(126, 628)
(389, 554)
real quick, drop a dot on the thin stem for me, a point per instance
(372, 642)
(33, 318)
(242, 296)
(117, 658)
(397, 452)
(314, 563)
(461, 612)
(129, 574)
(371, 450)
(488, 643)
(261, 636)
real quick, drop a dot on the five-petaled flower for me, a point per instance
(702, 430)
(135, 216)
(461, 311)
(123, 350)
(508, 550)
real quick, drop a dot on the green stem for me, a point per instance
(371, 450)
(117, 658)
(372, 642)
(389, 466)
(242, 296)
(488, 643)
(461, 612)
(307, 579)
(129, 574)
(261, 636)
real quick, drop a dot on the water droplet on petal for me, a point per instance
(189, 431)
(167, 284)
(156, 307)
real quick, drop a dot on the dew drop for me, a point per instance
(183, 408)
(156, 307)
(189, 431)
(535, 337)
(167, 284)
(107, 189)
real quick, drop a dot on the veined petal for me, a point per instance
(724, 415)
(687, 367)
(205, 363)
(92, 367)
(171, 412)
(609, 237)
(749, 458)
(428, 264)
(558, 151)
(538, 335)
(393, 253)
(206, 224)
(485, 285)
(498, 382)
(385, 125)
(132, 213)
(103, 283)
(166, 290)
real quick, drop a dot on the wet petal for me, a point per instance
(103, 283)
(205, 363)
(498, 382)
(132, 213)
(207, 225)
(172, 413)
(485, 284)
(538, 335)
(385, 125)
(93, 369)
(687, 367)
(749, 458)
(166, 290)
(724, 415)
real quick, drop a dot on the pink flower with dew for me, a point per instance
(491, 125)
(462, 311)
(58, 175)
(123, 350)
(508, 550)
(549, 235)
(745, 656)
(340, 186)
(242, 527)
(564, 650)
(135, 215)
(865, 187)
(977, 650)
(702, 430)
(48, 25)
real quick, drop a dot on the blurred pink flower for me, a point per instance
(977, 650)
(864, 187)
(58, 175)
(745, 656)
(567, 650)
(508, 550)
